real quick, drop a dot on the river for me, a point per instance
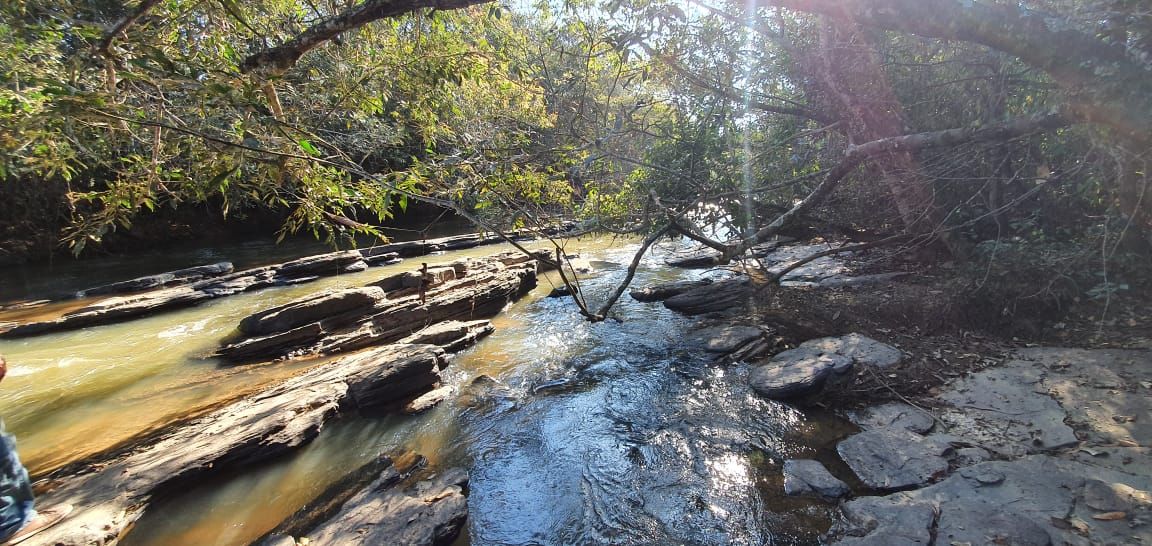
(611, 433)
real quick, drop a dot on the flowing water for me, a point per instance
(617, 432)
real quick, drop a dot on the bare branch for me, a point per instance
(284, 56)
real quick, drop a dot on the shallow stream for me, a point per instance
(617, 432)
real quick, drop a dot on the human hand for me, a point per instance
(3, 368)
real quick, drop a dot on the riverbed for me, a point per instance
(617, 432)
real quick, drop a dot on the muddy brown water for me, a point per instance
(610, 433)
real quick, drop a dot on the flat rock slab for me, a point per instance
(1035, 500)
(149, 282)
(808, 477)
(893, 414)
(794, 377)
(887, 521)
(1008, 410)
(428, 514)
(892, 458)
(111, 495)
(725, 339)
(1102, 391)
(863, 350)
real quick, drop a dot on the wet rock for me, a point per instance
(110, 495)
(427, 400)
(149, 282)
(560, 292)
(893, 414)
(887, 521)
(891, 458)
(660, 292)
(804, 477)
(699, 259)
(726, 339)
(863, 350)
(794, 374)
(726, 295)
(430, 513)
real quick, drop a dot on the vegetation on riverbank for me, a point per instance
(1010, 140)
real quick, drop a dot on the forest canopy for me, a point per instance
(969, 127)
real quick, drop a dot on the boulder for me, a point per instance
(892, 458)
(726, 295)
(862, 350)
(660, 292)
(795, 373)
(808, 477)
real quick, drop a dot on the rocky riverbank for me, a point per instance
(1034, 446)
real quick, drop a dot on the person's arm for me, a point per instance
(3, 368)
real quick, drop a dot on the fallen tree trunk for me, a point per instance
(113, 494)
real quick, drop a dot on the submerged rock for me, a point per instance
(806, 477)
